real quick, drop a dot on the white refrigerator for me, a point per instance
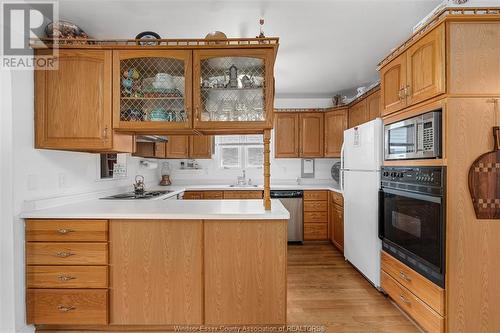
(360, 171)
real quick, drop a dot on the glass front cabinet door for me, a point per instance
(233, 88)
(152, 89)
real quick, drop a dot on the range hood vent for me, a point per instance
(151, 138)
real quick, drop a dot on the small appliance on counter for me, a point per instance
(412, 218)
(414, 138)
(165, 174)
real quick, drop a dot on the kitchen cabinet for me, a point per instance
(243, 195)
(315, 215)
(151, 149)
(425, 67)
(286, 135)
(336, 220)
(71, 115)
(335, 125)
(373, 105)
(358, 114)
(177, 146)
(152, 90)
(311, 134)
(245, 272)
(416, 75)
(392, 85)
(233, 89)
(156, 272)
(200, 146)
(66, 272)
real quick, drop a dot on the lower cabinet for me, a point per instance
(156, 272)
(423, 300)
(160, 273)
(245, 272)
(219, 195)
(336, 220)
(315, 215)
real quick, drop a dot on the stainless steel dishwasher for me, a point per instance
(292, 200)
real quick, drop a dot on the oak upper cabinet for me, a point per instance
(358, 114)
(311, 134)
(335, 125)
(71, 114)
(233, 89)
(373, 105)
(200, 146)
(392, 85)
(177, 146)
(152, 90)
(151, 149)
(425, 62)
(416, 75)
(286, 135)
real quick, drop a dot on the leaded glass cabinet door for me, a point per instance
(152, 90)
(233, 89)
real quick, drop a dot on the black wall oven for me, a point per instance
(412, 221)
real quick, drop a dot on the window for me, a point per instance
(240, 151)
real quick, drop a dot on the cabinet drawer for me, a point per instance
(243, 194)
(191, 195)
(316, 195)
(213, 195)
(67, 276)
(431, 321)
(337, 198)
(315, 217)
(67, 306)
(315, 206)
(424, 289)
(315, 231)
(66, 253)
(67, 230)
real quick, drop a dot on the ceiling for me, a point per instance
(325, 46)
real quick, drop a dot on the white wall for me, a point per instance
(36, 174)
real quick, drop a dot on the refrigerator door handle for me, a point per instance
(341, 180)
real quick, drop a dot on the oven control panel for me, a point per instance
(424, 176)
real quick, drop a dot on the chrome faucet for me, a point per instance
(242, 180)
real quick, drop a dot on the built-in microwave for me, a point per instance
(414, 138)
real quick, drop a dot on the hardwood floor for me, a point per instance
(325, 290)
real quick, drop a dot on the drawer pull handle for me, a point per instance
(65, 277)
(404, 299)
(404, 276)
(64, 308)
(64, 254)
(64, 231)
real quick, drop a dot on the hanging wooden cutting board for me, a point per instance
(484, 181)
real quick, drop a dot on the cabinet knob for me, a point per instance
(401, 93)
(407, 91)
(404, 276)
(64, 231)
(64, 308)
(64, 254)
(65, 277)
(405, 300)
(105, 132)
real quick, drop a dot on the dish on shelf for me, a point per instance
(132, 115)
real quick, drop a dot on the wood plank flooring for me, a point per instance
(325, 290)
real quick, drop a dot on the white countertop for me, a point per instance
(164, 209)
(210, 187)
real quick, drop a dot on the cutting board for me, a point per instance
(484, 181)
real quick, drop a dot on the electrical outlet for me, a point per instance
(62, 180)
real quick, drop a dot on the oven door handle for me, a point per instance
(381, 215)
(412, 195)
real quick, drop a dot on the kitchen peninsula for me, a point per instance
(156, 263)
